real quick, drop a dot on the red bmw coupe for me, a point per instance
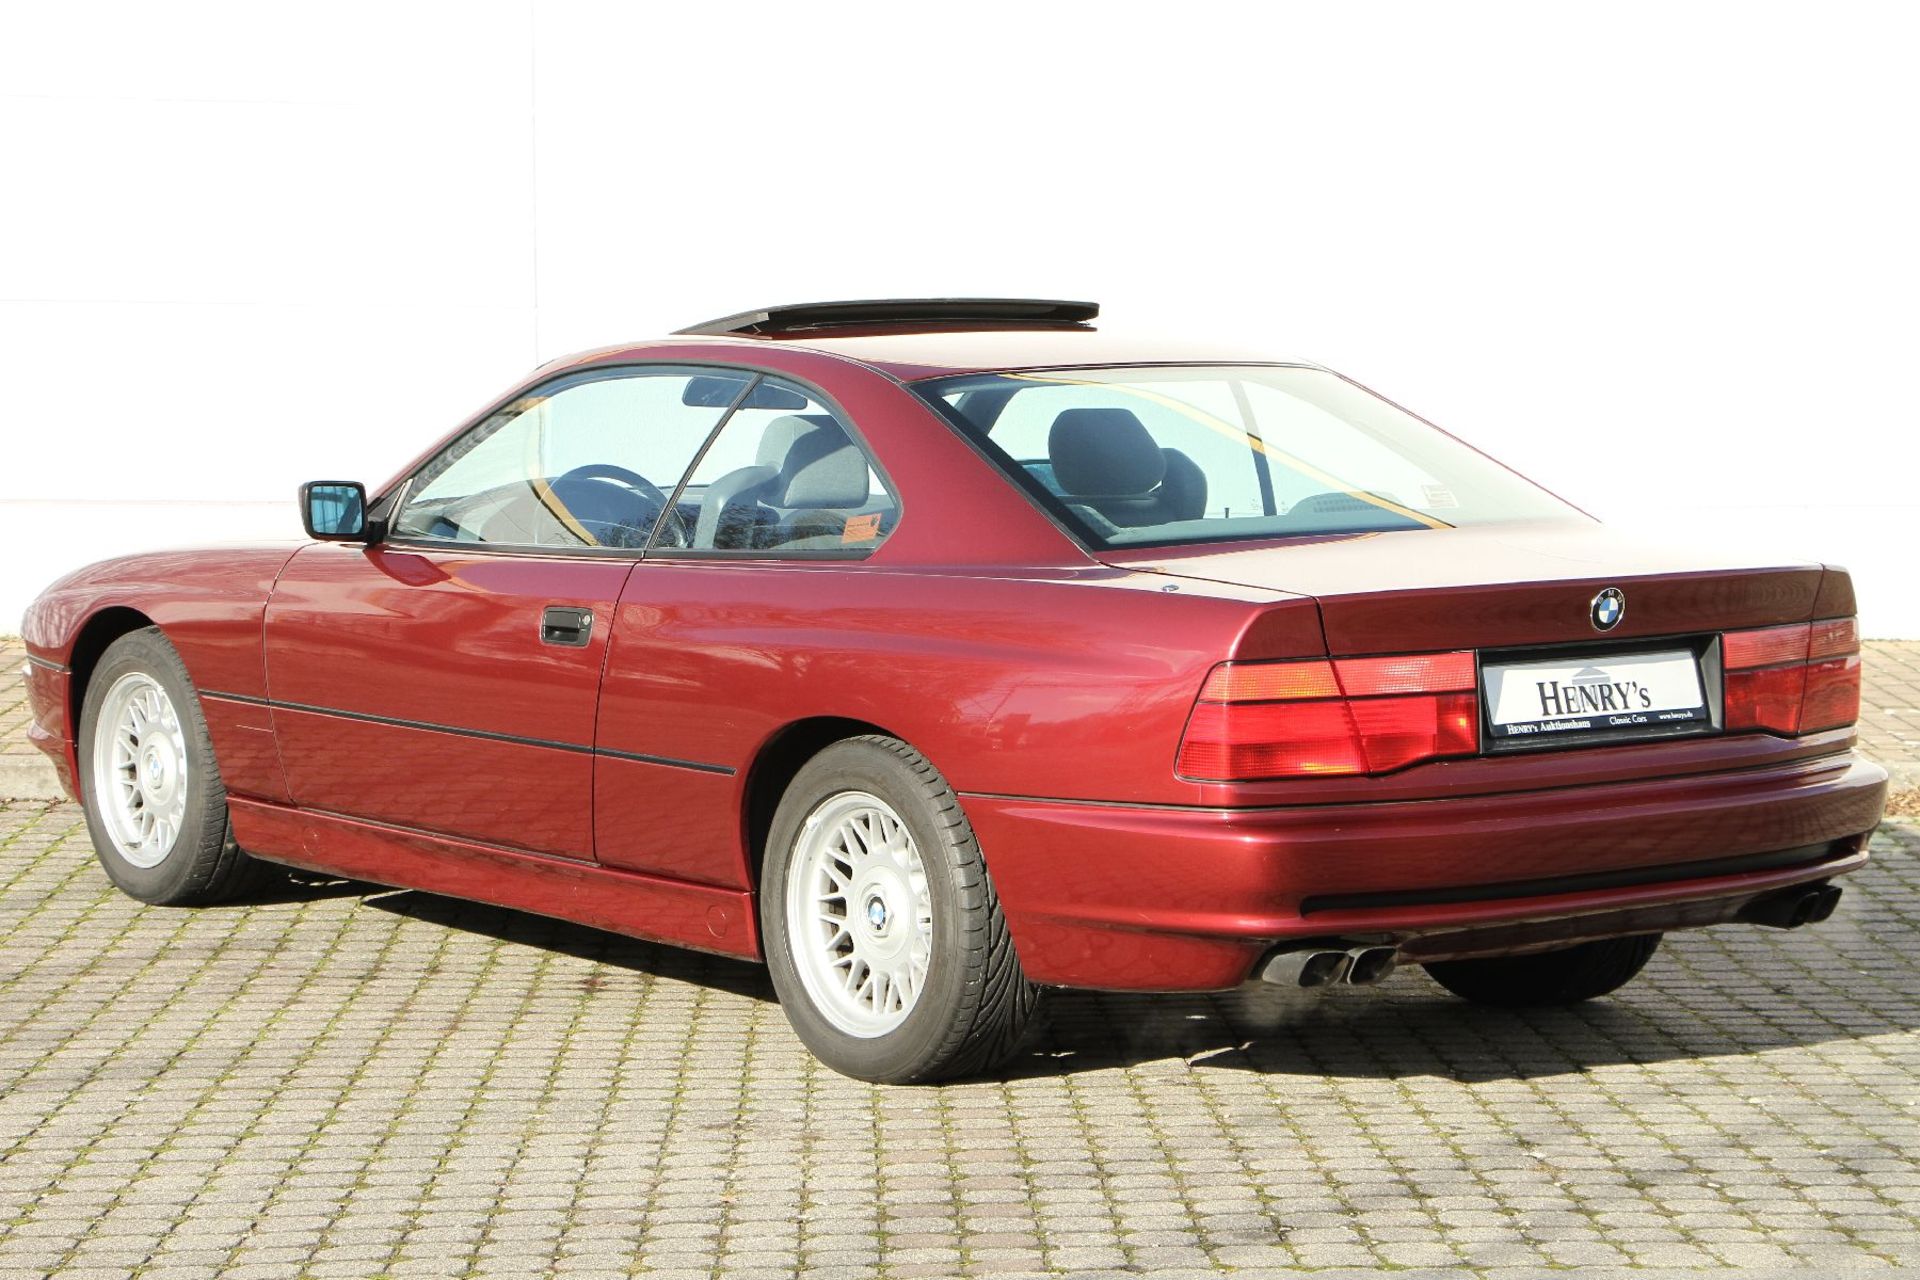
(937, 652)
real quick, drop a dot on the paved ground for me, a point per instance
(350, 1082)
(1890, 714)
(24, 772)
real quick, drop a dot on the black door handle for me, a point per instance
(565, 625)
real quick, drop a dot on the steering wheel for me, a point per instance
(673, 532)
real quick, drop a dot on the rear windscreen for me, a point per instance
(1154, 456)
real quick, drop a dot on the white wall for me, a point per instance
(1661, 257)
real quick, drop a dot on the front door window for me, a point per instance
(585, 464)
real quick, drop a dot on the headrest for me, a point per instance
(1103, 453)
(819, 466)
(782, 432)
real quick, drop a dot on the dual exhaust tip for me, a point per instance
(1355, 967)
(1363, 966)
(1792, 908)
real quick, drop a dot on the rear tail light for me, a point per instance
(1833, 694)
(1794, 679)
(1834, 638)
(1324, 718)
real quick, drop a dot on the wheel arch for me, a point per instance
(774, 766)
(96, 634)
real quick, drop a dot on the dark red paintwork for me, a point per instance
(1049, 686)
(447, 640)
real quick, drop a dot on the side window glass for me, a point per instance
(589, 464)
(785, 477)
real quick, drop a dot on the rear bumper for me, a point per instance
(1172, 898)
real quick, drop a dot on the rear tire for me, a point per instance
(155, 805)
(1566, 976)
(883, 933)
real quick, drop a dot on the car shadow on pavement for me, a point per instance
(1704, 996)
(302, 887)
(1410, 1027)
(739, 977)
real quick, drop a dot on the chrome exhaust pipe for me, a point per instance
(1305, 968)
(1368, 965)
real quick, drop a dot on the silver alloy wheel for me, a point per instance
(859, 918)
(140, 769)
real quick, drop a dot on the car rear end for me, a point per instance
(1515, 734)
(1365, 800)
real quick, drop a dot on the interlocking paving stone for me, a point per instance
(24, 772)
(349, 1081)
(13, 699)
(353, 1082)
(1890, 708)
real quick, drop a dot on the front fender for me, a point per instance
(210, 604)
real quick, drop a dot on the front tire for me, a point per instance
(156, 807)
(883, 933)
(1566, 976)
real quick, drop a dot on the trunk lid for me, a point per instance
(1499, 586)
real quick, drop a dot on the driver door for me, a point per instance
(445, 679)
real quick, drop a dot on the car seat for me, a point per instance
(1105, 461)
(807, 476)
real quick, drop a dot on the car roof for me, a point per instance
(909, 353)
(913, 354)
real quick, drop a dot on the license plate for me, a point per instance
(1625, 694)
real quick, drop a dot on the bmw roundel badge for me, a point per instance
(1608, 608)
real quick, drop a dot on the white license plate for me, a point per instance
(1631, 692)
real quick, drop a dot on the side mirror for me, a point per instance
(334, 510)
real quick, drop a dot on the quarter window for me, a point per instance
(587, 464)
(785, 477)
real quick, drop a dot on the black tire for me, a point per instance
(1566, 976)
(975, 1004)
(203, 865)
